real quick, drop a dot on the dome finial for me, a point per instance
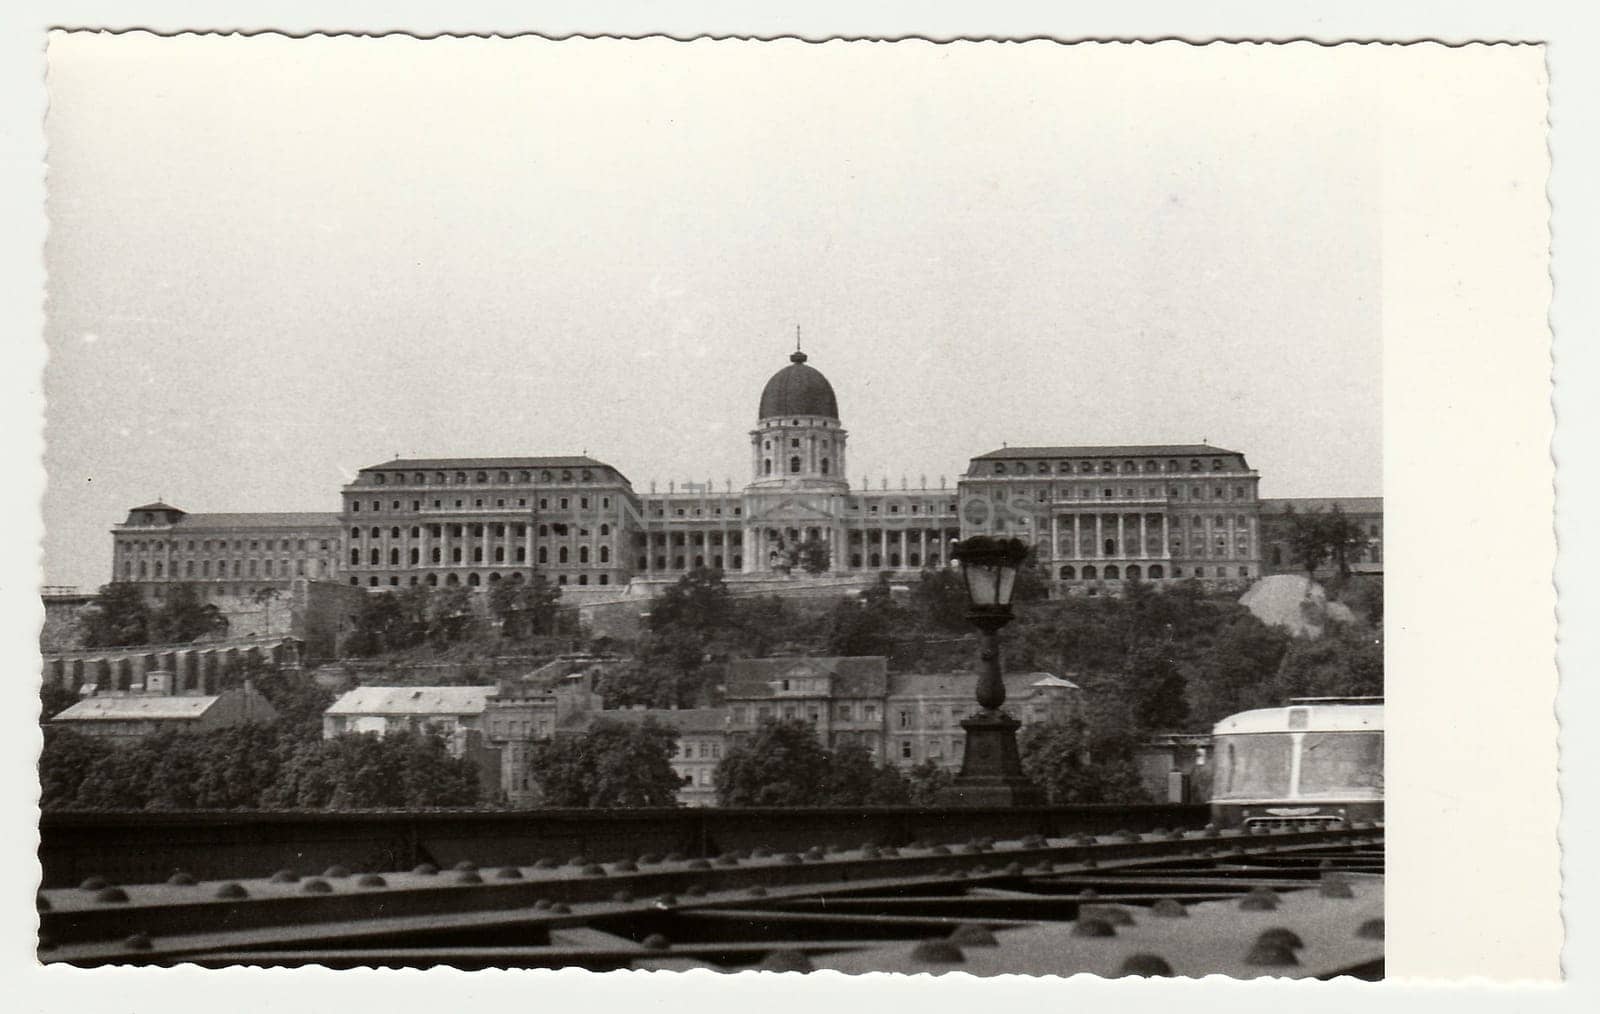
(797, 356)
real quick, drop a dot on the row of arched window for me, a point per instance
(480, 477)
(1128, 467)
(472, 580)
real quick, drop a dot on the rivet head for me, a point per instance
(508, 873)
(789, 859)
(137, 942)
(1270, 954)
(425, 869)
(593, 870)
(762, 853)
(674, 857)
(623, 896)
(1145, 964)
(316, 886)
(1258, 903)
(940, 850)
(1336, 889)
(111, 895)
(648, 859)
(626, 866)
(973, 935)
(695, 890)
(727, 859)
(666, 901)
(814, 855)
(937, 952)
(181, 879)
(464, 865)
(1012, 869)
(336, 871)
(889, 852)
(787, 961)
(655, 942)
(371, 880)
(1169, 908)
(757, 892)
(698, 864)
(578, 861)
(232, 891)
(541, 905)
(547, 863)
(285, 877)
(468, 877)
(1093, 928)
(1281, 935)
(94, 884)
(561, 908)
(1088, 892)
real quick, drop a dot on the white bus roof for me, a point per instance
(1318, 718)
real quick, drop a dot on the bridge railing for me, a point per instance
(145, 847)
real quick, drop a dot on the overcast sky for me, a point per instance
(273, 261)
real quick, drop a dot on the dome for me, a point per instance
(797, 390)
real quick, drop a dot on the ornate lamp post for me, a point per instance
(991, 769)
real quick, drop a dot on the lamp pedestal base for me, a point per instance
(991, 768)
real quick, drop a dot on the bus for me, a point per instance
(1316, 762)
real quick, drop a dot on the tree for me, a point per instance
(364, 770)
(855, 779)
(926, 781)
(66, 760)
(865, 625)
(117, 617)
(757, 625)
(1033, 582)
(813, 555)
(1160, 702)
(1344, 537)
(184, 617)
(941, 598)
(450, 617)
(781, 764)
(1308, 543)
(1056, 756)
(54, 698)
(613, 764)
(698, 600)
(524, 608)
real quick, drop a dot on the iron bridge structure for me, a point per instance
(1291, 901)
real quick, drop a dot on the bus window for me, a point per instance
(1252, 766)
(1334, 763)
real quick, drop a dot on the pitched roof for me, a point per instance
(1348, 504)
(684, 720)
(962, 684)
(851, 675)
(275, 519)
(557, 461)
(1117, 451)
(412, 701)
(143, 706)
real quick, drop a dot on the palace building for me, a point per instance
(1097, 515)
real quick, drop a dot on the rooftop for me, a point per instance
(1348, 504)
(278, 519)
(412, 701)
(685, 720)
(556, 461)
(851, 676)
(1113, 451)
(962, 684)
(138, 706)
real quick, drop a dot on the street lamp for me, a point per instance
(991, 768)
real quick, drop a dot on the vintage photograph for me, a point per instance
(637, 504)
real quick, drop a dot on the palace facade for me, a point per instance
(1097, 515)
